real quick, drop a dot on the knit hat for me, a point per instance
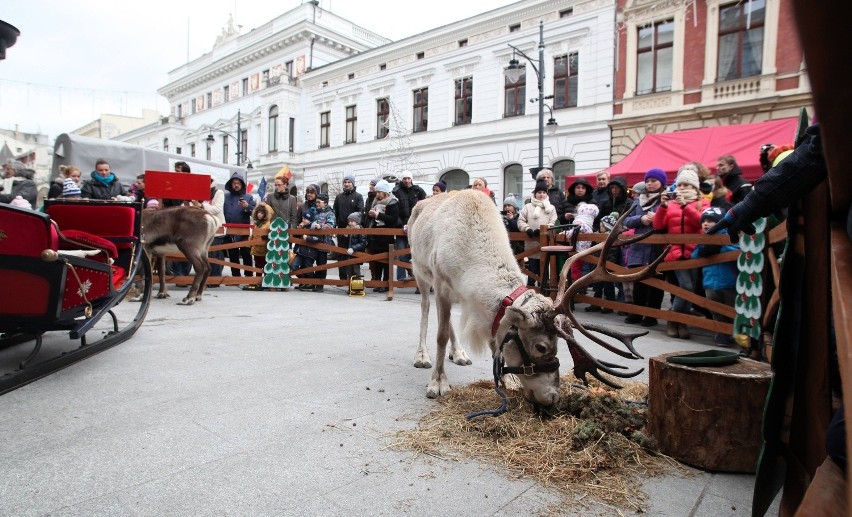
(152, 203)
(70, 189)
(323, 197)
(714, 213)
(406, 174)
(511, 200)
(16, 166)
(585, 214)
(657, 174)
(355, 216)
(441, 186)
(375, 181)
(383, 186)
(778, 158)
(349, 177)
(639, 188)
(688, 176)
(21, 203)
(540, 185)
(608, 222)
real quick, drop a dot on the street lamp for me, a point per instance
(514, 72)
(239, 153)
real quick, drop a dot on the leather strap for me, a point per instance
(507, 301)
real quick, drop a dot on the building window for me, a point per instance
(179, 111)
(456, 179)
(288, 66)
(515, 28)
(226, 93)
(264, 78)
(166, 144)
(351, 76)
(178, 150)
(382, 118)
(224, 149)
(463, 43)
(516, 95)
(513, 183)
(421, 109)
(421, 55)
(192, 107)
(565, 13)
(291, 135)
(654, 58)
(741, 40)
(351, 124)
(242, 157)
(561, 170)
(209, 103)
(325, 128)
(273, 128)
(383, 66)
(565, 81)
(464, 100)
(245, 86)
(192, 150)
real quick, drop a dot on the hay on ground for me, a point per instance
(592, 445)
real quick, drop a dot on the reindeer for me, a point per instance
(460, 247)
(180, 229)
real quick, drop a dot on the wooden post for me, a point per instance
(708, 416)
(391, 253)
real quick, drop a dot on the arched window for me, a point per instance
(273, 128)
(513, 181)
(166, 144)
(561, 170)
(324, 190)
(456, 179)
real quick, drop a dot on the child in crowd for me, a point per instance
(356, 243)
(261, 218)
(306, 255)
(536, 213)
(584, 216)
(324, 220)
(720, 280)
(70, 189)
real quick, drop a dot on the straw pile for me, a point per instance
(590, 449)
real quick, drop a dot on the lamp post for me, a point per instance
(239, 153)
(514, 72)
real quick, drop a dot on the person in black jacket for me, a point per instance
(347, 202)
(103, 183)
(408, 194)
(732, 178)
(554, 194)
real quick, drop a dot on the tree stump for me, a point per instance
(708, 416)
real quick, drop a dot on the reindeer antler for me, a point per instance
(584, 362)
(601, 274)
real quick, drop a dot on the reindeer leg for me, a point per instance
(194, 256)
(161, 270)
(438, 384)
(421, 358)
(457, 353)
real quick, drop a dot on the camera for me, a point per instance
(504, 212)
(671, 194)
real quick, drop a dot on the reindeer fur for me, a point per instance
(460, 247)
(181, 229)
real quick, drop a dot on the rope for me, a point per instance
(502, 409)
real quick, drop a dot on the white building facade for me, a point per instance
(327, 98)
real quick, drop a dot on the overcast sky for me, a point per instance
(77, 59)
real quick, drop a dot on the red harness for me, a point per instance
(507, 301)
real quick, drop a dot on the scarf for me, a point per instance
(102, 180)
(689, 193)
(648, 201)
(540, 203)
(383, 210)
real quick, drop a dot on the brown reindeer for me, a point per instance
(460, 247)
(183, 229)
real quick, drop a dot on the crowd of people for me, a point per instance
(693, 202)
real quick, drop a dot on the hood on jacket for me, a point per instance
(620, 182)
(573, 194)
(230, 188)
(270, 212)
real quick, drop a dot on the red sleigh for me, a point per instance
(64, 270)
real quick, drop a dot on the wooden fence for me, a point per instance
(297, 236)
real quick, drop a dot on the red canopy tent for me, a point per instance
(668, 151)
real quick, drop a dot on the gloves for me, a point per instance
(530, 232)
(350, 251)
(536, 232)
(734, 225)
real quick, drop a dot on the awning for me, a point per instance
(669, 151)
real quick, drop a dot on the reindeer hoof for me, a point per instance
(162, 295)
(137, 298)
(423, 364)
(186, 301)
(461, 359)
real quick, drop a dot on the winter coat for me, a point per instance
(346, 203)
(389, 218)
(677, 219)
(511, 224)
(572, 199)
(616, 204)
(717, 276)
(557, 199)
(736, 185)
(259, 250)
(24, 186)
(216, 205)
(357, 242)
(408, 197)
(95, 189)
(323, 220)
(56, 188)
(532, 216)
(641, 254)
(234, 213)
(285, 206)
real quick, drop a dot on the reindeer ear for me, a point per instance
(512, 318)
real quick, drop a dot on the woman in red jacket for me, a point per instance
(680, 212)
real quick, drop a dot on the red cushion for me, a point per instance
(24, 232)
(105, 220)
(89, 240)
